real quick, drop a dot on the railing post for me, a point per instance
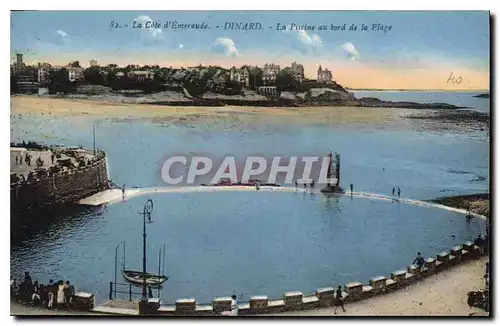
(110, 290)
(130, 292)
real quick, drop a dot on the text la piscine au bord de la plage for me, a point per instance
(255, 26)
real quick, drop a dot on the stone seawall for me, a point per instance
(322, 297)
(66, 186)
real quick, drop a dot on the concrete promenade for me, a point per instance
(442, 294)
(115, 195)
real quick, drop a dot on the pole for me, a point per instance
(123, 261)
(159, 266)
(144, 291)
(93, 135)
(148, 208)
(163, 273)
(116, 263)
(110, 290)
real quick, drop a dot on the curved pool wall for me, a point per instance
(244, 243)
(375, 158)
(320, 298)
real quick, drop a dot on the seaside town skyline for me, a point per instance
(408, 56)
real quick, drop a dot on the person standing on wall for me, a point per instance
(393, 191)
(419, 260)
(234, 306)
(399, 192)
(352, 187)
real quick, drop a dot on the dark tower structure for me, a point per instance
(333, 188)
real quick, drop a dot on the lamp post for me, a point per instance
(116, 260)
(148, 208)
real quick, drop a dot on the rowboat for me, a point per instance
(137, 278)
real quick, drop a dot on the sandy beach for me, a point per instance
(32, 105)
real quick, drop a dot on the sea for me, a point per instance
(256, 243)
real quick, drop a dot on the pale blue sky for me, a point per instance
(416, 40)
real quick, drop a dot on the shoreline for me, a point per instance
(244, 116)
(479, 203)
(183, 115)
(177, 99)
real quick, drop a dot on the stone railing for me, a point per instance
(322, 297)
(66, 185)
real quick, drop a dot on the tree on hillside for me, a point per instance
(59, 82)
(286, 82)
(94, 76)
(74, 64)
(255, 78)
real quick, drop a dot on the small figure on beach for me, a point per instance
(17, 160)
(419, 260)
(469, 215)
(52, 156)
(352, 187)
(480, 243)
(393, 191)
(123, 191)
(339, 301)
(399, 193)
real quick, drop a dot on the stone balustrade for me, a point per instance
(221, 304)
(185, 305)
(293, 298)
(324, 297)
(259, 302)
(378, 284)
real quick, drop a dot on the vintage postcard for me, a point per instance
(244, 163)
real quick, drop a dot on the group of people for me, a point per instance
(483, 244)
(394, 192)
(52, 296)
(27, 159)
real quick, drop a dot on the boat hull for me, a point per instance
(137, 278)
